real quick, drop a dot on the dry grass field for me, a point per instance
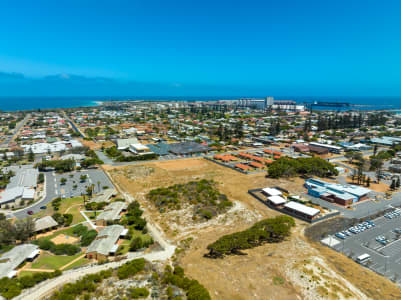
(294, 269)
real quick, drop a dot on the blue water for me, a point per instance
(30, 103)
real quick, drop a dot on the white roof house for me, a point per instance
(124, 144)
(112, 211)
(10, 260)
(277, 200)
(106, 240)
(306, 210)
(45, 223)
(272, 191)
(138, 148)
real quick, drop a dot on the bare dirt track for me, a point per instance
(294, 269)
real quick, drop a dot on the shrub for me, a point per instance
(203, 194)
(88, 237)
(136, 293)
(12, 287)
(131, 268)
(136, 244)
(193, 289)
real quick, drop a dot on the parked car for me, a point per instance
(30, 212)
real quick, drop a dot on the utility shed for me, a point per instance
(105, 242)
(10, 260)
(45, 223)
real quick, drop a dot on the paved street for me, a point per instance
(15, 131)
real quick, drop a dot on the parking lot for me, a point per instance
(75, 186)
(380, 238)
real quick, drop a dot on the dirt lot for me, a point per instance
(294, 269)
(64, 239)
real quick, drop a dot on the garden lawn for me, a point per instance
(25, 273)
(69, 205)
(78, 263)
(72, 206)
(53, 262)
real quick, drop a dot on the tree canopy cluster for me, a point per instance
(5, 178)
(310, 166)
(60, 166)
(193, 289)
(273, 230)
(63, 219)
(87, 236)
(59, 249)
(204, 195)
(11, 232)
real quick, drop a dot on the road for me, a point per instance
(16, 130)
(73, 125)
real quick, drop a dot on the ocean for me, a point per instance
(33, 103)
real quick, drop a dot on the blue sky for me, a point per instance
(200, 48)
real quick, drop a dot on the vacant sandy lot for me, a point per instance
(294, 269)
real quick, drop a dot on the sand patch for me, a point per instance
(181, 164)
(64, 239)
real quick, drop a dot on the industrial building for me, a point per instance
(330, 148)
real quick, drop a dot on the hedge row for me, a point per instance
(12, 287)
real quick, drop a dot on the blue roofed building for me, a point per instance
(344, 194)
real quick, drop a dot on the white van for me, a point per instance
(362, 258)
